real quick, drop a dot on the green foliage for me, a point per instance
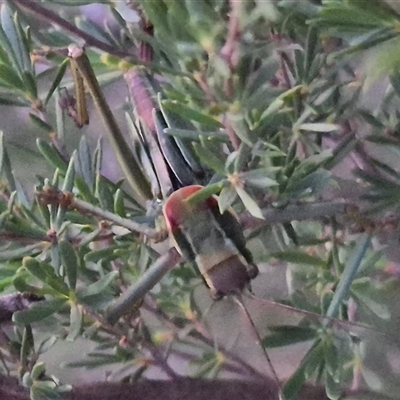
(259, 102)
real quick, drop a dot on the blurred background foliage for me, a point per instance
(288, 110)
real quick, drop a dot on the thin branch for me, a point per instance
(195, 389)
(296, 213)
(137, 291)
(228, 50)
(68, 200)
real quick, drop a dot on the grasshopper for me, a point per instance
(211, 240)
(201, 234)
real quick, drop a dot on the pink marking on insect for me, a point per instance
(174, 208)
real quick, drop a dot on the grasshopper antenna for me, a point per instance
(239, 300)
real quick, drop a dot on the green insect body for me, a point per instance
(211, 240)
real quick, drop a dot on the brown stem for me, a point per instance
(184, 388)
(233, 138)
(228, 50)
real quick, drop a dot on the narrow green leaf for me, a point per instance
(24, 40)
(119, 204)
(205, 193)
(371, 119)
(38, 312)
(226, 198)
(97, 287)
(349, 273)
(70, 174)
(60, 116)
(190, 114)
(84, 160)
(209, 158)
(92, 29)
(31, 90)
(68, 185)
(9, 78)
(75, 321)
(57, 80)
(16, 37)
(45, 273)
(38, 370)
(52, 155)
(5, 165)
(12, 100)
(103, 193)
(22, 286)
(331, 357)
(297, 257)
(294, 384)
(9, 39)
(280, 101)
(70, 262)
(299, 62)
(106, 253)
(309, 364)
(33, 249)
(287, 335)
(98, 157)
(333, 387)
(311, 50)
(85, 191)
(40, 123)
(372, 297)
(251, 206)
(27, 346)
(319, 127)
(258, 178)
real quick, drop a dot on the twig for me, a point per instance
(67, 200)
(296, 213)
(228, 50)
(137, 291)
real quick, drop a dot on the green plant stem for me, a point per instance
(295, 213)
(349, 274)
(133, 226)
(137, 291)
